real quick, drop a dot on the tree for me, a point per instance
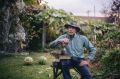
(10, 10)
(116, 10)
(43, 23)
(113, 12)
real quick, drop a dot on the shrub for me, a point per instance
(111, 62)
(28, 61)
(42, 60)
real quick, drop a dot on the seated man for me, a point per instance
(74, 44)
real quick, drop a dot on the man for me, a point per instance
(74, 44)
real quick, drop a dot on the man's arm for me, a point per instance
(56, 43)
(90, 47)
(92, 51)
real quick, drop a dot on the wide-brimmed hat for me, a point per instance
(72, 24)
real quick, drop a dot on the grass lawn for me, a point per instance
(12, 67)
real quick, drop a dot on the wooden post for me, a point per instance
(44, 36)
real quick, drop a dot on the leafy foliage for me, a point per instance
(110, 62)
(115, 35)
(115, 11)
(30, 1)
(42, 60)
(34, 19)
(108, 51)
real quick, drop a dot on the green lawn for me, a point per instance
(12, 67)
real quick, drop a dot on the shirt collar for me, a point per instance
(75, 35)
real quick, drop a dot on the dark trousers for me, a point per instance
(75, 63)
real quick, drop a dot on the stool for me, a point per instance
(57, 68)
(56, 65)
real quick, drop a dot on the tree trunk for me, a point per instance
(9, 12)
(44, 37)
(6, 24)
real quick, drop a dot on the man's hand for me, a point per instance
(63, 41)
(85, 62)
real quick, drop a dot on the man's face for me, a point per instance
(71, 30)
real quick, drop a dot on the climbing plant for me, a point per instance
(45, 23)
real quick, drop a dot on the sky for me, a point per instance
(79, 7)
